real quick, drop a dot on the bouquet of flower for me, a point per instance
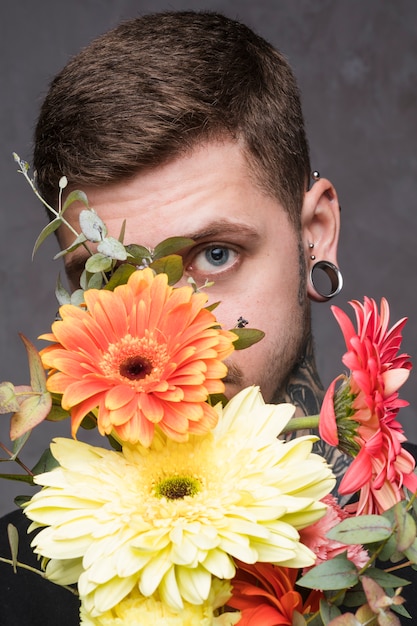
(197, 510)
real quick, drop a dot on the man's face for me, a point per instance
(244, 242)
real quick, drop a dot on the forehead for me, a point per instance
(207, 193)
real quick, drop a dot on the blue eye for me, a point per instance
(217, 256)
(213, 260)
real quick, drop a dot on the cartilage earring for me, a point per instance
(332, 273)
(315, 175)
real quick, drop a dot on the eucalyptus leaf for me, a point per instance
(98, 263)
(406, 528)
(120, 276)
(57, 413)
(385, 579)
(18, 445)
(13, 537)
(121, 236)
(45, 232)
(8, 400)
(77, 297)
(172, 245)
(36, 369)
(46, 463)
(246, 337)
(411, 552)
(361, 530)
(78, 241)
(75, 196)
(388, 549)
(337, 573)
(170, 265)
(328, 611)
(112, 248)
(62, 295)
(32, 412)
(92, 226)
(22, 478)
(21, 500)
(94, 281)
(138, 254)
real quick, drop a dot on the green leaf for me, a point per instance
(46, 463)
(61, 294)
(18, 445)
(98, 263)
(95, 281)
(112, 248)
(13, 537)
(338, 573)
(361, 530)
(32, 412)
(411, 552)
(36, 369)
(22, 478)
(57, 413)
(347, 619)
(172, 245)
(8, 400)
(328, 611)
(246, 337)
(388, 550)
(21, 500)
(171, 265)
(77, 297)
(92, 225)
(121, 236)
(138, 254)
(78, 241)
(120, 276)
(45, 232)
(75, 196)
(385, 579)
(406, 527)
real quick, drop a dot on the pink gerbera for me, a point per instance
(360, 416)
(143, 354)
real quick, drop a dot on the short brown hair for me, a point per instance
(153, 87)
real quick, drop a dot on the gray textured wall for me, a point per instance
(356, 61)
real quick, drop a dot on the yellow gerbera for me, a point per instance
(143, 354)
(170, 517)
(138, 610)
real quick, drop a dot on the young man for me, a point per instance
(189, 124)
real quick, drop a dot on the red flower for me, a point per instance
(360, 416)
(314, 537)
(265, 594)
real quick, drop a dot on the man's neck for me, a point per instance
(303, 387)
(305, 390)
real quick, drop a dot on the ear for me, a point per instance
(320, 226)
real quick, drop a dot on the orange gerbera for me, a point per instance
(265, 594)
(360, 416)
(143, 354)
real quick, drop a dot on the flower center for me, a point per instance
(177, 487)
(135, 368)
(140, 360)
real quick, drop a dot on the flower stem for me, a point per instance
(35, 571)
(302, 423)
(16, 459)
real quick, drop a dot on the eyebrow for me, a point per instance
(75, 265)
(223, 227)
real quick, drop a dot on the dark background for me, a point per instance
(356, 62)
